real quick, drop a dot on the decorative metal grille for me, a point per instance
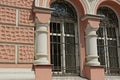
(63, 10)
(108, 41)
(63, 42)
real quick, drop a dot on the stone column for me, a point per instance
(91, 46)
(41, 44)
(92, 25)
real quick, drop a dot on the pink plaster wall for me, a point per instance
(16, 38)
(7, 53)
(94, 72)
(26, 17)
(26, 54)
(7, 15)
(43, 72)
(18, 3)
(16, 34)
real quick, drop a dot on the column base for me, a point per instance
(94, 72)
(40, 62)
(92, 60)
(91, 63)
(43, 72)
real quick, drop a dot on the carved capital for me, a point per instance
(39, 23)
(92, 20)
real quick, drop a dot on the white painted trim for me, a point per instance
(112, 77)
(44, 4)
(68, 78)
(16, 74)
(37, 3)
(17, 17)
(16, 54)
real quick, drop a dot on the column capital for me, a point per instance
(90, 30)
(38, 23)
(92, 20)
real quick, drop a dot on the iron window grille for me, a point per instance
(108, 41)
(64, 40)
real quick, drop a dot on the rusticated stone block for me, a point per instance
(16, 34)
(7, 15)
(26, 54)
(26, 17)
(7, 53)
(18, 3)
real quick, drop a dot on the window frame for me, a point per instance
(106, 39)
(63, 35)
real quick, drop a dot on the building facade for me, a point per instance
(59, 39)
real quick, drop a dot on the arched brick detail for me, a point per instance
(112, 3)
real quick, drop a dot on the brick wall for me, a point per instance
(16, 31)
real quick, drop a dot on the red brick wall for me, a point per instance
(16, 31)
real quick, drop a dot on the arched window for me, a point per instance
(63, 39)
(108, 41)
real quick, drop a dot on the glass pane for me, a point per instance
(69, 28)
(70, 58)
(111, 32)
(54, 27)
(101, 51)
(100, 32)
(113, 55)
(64, 10)
(55, 53)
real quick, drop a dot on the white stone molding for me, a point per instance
(16, 74)
(91, 46)
(41, 33)
(90, 6)
(37, 3)
(44, 4)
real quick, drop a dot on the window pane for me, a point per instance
(101, 51)
(54, 27)
(70, 57)
(100, 32)
(111, 32)
(113, 56)
(69, 28)
(55, 53)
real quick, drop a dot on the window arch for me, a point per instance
(64, 39)
(108, 41)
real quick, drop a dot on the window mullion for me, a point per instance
(63, 46)
(118, 45)
(106, 48)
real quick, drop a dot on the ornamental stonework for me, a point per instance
(7, 15)
(18, 3)
(7, 53)
(16, 34)
(26, 18)
(26, 54)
